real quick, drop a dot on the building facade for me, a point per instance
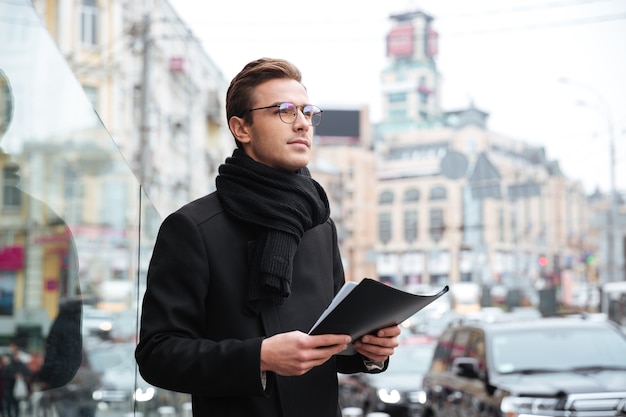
(161, 98)
(153, 85)
(457, 202)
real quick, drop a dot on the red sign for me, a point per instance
(51, 284)
(424, 90)
(400, 41)
(177, 64)
(11, 258)
(432, 45)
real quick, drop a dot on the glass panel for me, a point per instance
(76, 236)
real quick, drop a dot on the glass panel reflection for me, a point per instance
(76, 235)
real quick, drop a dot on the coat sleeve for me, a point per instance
(172, 352)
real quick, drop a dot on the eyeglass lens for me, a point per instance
(288, 113)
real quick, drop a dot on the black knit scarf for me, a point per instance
(284, 205)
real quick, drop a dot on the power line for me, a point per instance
(522, 28)
(343, 22)
(539, 26)
(522, 8)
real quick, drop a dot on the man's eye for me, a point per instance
(287, 109)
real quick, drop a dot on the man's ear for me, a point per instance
(239, 129)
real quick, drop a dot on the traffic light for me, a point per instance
(543, 261)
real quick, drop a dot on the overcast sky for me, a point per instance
(507, 60)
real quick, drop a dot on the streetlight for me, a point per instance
(612, 218)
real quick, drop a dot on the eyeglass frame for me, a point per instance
(298, 108)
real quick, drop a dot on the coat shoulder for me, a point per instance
(203, 209)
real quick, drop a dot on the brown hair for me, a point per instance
(239, 96)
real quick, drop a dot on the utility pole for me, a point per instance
(145, 151)
(614, 224)
(612, 218)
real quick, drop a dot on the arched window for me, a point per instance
(386, 197)
(438, 192)
(411, 195)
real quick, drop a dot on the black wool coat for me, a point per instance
(198, 335)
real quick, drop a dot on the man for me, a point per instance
(238, 277)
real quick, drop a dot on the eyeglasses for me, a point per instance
(288, 112)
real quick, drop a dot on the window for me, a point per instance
(441, 356)
(73, 195)
(410, 226)
(386, 197)
(7, 283)
(501, 233)
(92, 96)
(438, 192)
(6, 106)
(551, 349)
(436, 224)
(459, 345)
(384, 227)
(397, 97)
(476, 349)
(89, 23)
(514, 231)
(411, 195)
(423, 90)
(11, 195)
(397, 115)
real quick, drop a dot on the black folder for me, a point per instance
(359, 309)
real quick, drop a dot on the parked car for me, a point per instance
(540, 367)
(397, 391)
(122, 388)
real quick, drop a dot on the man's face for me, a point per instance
(268, 139)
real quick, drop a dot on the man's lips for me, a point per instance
(300, 142)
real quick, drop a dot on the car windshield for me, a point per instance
(558, 350)
(410, 359)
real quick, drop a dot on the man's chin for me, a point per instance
(298, 162)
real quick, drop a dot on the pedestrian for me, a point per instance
(15, 373)
(4, 362)
(238, 277)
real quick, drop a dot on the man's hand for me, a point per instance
(295, 353)
(378, 347)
